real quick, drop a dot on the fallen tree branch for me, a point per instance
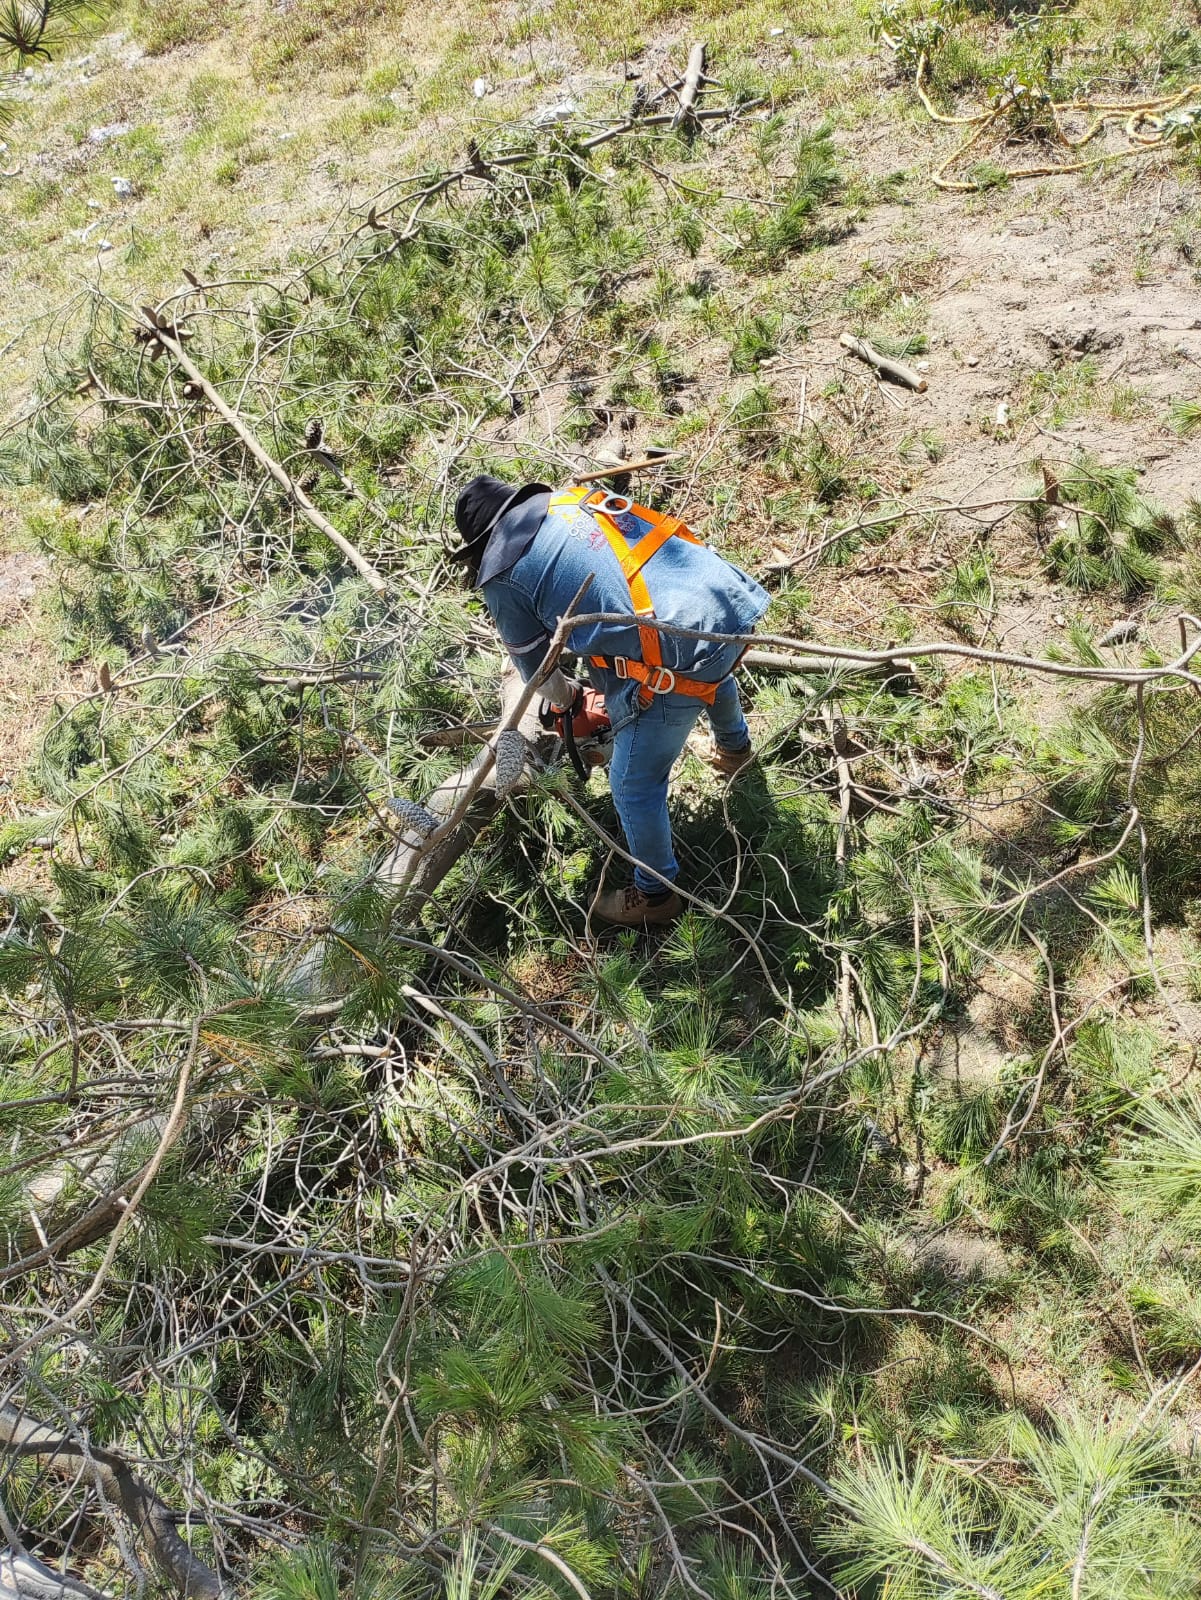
(1176, 670)
(481, 166)
(282, 477)
(619, 469)
(765, 660)
(172, 1128)
(693, 78)
(778, 661)
(837, 742)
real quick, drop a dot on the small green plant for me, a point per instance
(1093, 1497)
(1127, 402)
(1103, 533)
(987, 175)
(767, 237)
(912, 31)
(160, 29)
(900, 345)
(826, 469)
(966, 599)
(756, 420)
(964, 1125)
(1161, 1171)
(1185, 416)
(1061, 393)
(1031, 69)
(755, 340)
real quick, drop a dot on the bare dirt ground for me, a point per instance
(1036, 296)
(28, 670)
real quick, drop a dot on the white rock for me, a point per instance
(1002, 413)
(480, 88)
(105, 244)
(973, 361)
(94, 205)
(549, 115)
(109, 130)
(923, 366)
(775, 32)
(122, 188)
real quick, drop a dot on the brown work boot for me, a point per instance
(731, 762)
(728, 762)
(632, 907)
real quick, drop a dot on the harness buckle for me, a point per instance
(621, 666)
(663, 681)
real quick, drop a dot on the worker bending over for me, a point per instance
(529, 550)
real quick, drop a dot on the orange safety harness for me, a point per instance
(650, 672)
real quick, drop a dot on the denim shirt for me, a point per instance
(690, 585)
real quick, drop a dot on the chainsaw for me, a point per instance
(584, 728)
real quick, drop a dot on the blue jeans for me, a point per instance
(645, 749)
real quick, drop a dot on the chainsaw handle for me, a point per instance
(620, 470)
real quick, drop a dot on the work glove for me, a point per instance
(559, 691)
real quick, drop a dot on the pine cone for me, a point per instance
(314, 433)
(414, 816)
(510, 762)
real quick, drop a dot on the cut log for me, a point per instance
(24, 1577)
(423, 868)
(884, 365)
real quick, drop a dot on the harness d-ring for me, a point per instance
(612, 505)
